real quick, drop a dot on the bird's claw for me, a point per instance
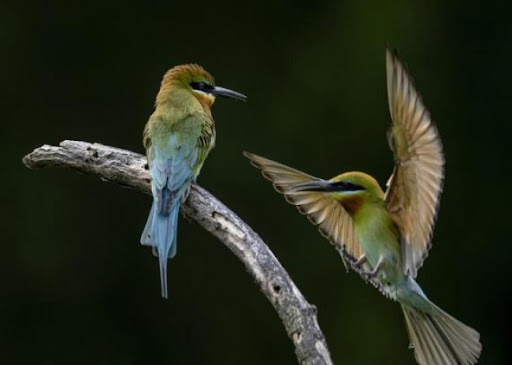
(360, 261)
(373, 273)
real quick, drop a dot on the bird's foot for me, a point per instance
(360, 261)
(372, 274)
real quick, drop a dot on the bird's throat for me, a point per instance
(352, 205)
(206, 100)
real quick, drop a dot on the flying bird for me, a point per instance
(386, 236)
(178, 137)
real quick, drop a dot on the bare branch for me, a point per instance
(130, 169)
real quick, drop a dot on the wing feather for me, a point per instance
(176, 156)
(333, 221)
(415, 186)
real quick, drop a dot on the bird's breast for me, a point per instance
(377, 236)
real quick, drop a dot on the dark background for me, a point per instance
(75, 285)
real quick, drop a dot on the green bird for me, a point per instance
(178, 137)
(386, 236)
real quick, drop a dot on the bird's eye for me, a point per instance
(201, 86)
(347, 186)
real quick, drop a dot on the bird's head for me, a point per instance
(351, 189)
(192, 80)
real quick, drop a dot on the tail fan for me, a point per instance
(160, 232)
(438, 338)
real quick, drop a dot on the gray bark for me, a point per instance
(129, 169)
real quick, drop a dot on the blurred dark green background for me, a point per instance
(75, 285)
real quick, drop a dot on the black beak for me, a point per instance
(314, 185)
(217, 90)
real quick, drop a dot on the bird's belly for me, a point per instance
(382, 248)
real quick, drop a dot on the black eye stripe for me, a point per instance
(202, 86)
(346, 186)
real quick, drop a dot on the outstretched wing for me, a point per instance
(415, 186)
(333, 221)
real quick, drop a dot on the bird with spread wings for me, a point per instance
(386, 236)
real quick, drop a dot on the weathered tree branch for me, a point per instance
(130, 169)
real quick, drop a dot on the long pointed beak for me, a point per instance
(313, 185)
(217, 90)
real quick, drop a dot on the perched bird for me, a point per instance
(386, 236)
(178, 136)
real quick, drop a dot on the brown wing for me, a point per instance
(333, 221)
(415, 186)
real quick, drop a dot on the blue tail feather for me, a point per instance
(161, 233)
(163, 274)
(147, 237)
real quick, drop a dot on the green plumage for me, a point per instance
(178, 137)
(386, 236)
